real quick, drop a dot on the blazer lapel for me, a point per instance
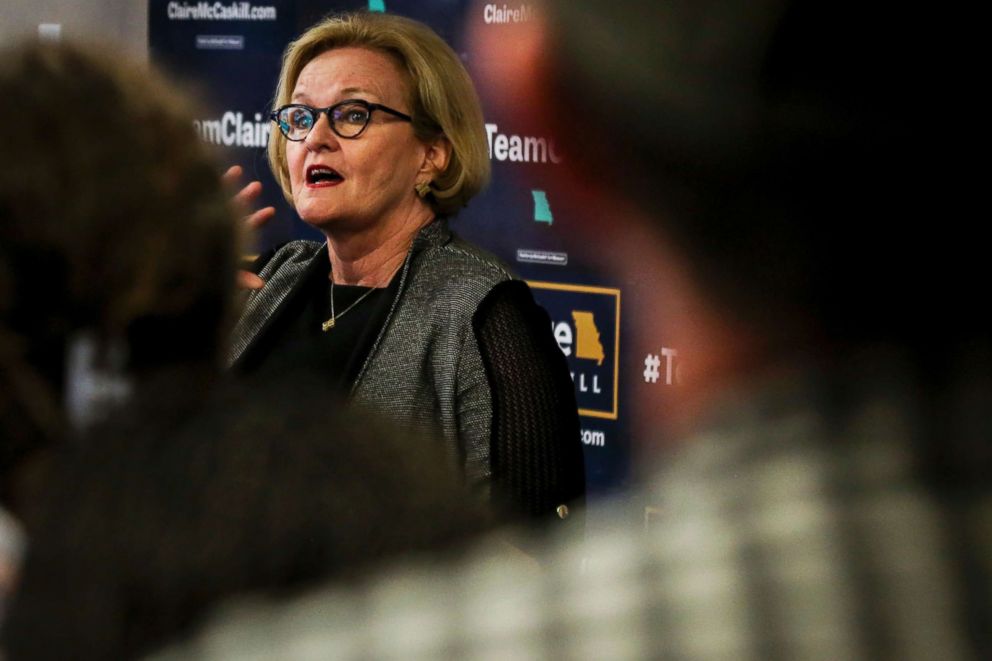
(282, 277)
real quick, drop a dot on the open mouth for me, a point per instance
(321, 175)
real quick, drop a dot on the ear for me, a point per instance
(436, 157)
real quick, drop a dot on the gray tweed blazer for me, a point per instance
(424, 370)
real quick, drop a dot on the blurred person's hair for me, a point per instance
(185, 499)
(113, 225)
(804, 157)
(112, 215)
(442, 98)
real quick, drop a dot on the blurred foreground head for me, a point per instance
(803, 159)
(116, 242)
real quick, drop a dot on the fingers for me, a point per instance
(248, 192)
(260, 217)
(248, 280)
(231, 176)
(243, 200)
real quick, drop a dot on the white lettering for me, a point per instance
(218, 11)
(593, 437)
(535, 149)
(232, 130)
(563, 335)
(246, 132)
(499, 150)
(520, 149)
(493, 13)
(671, 369)
(516, 149)
(210, 130)
(490, 132)
(584, 387)
(262, 131)
(229, 132)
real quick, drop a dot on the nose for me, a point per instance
(321, 136)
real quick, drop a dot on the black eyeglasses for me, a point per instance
(347, 119)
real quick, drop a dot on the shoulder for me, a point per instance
(293, 252)
(483, 260)
(510, 302)
(456, 265)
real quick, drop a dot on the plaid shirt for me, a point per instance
(782, 533)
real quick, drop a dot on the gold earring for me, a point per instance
(423, 188)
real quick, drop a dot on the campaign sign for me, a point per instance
(585, 321)
(228, 53)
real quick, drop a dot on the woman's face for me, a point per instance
(374, 174)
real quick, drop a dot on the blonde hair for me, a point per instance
(443, 100)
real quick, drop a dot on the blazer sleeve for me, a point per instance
(535, 453)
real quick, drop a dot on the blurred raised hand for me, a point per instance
(244, 202)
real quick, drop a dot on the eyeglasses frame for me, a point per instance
(274, 116)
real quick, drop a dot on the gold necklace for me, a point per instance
(330, 323)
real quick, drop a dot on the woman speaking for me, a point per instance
(380, 140)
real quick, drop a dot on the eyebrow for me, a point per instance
(346, 93)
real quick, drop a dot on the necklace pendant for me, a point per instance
(327, 325)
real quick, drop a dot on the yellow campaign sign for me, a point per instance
(586, 324)
(588, 344)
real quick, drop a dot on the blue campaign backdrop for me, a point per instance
(230, 53)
